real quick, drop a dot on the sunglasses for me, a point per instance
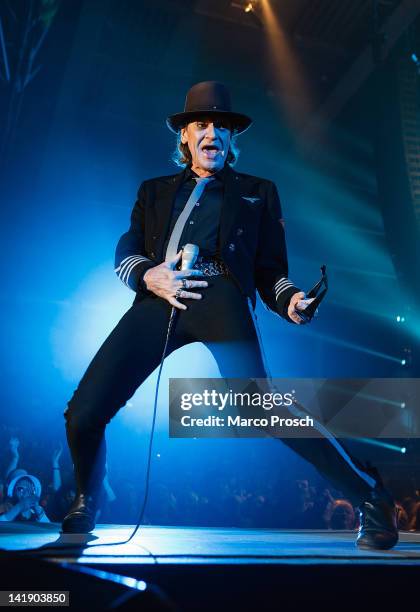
(23, 489)
(318, 292)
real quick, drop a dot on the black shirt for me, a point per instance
(202, 227)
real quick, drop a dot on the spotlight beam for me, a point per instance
(367, 396)
(373, 442)
(286, 67)
(354, 346)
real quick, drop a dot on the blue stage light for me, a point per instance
(382, 444)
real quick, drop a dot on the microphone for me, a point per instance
(189, 256)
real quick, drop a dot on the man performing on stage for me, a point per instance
(236, 221)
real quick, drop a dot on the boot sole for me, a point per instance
(384, 545)
(78, 524)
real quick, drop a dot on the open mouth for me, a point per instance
(210, 151)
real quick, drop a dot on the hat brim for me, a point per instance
(240, 122)
(35, 481)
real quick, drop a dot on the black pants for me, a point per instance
(223, 322)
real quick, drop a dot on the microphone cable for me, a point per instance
(152, 429)
(191, 252)
(171, 322)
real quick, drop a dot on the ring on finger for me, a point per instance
(178, 293)
(185, 283)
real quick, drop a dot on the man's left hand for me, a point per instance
(297, 302)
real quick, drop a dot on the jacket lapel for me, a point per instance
(232, 204)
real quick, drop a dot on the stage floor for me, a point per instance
(190, 545)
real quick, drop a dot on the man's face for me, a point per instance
(208, 140)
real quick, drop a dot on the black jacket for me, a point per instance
(252, 238)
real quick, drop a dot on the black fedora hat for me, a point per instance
(208, 98)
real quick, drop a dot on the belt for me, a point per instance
(210, 266)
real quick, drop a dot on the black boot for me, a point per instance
(81, 516)
(378, 521)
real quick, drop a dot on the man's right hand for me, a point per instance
(163, 280)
